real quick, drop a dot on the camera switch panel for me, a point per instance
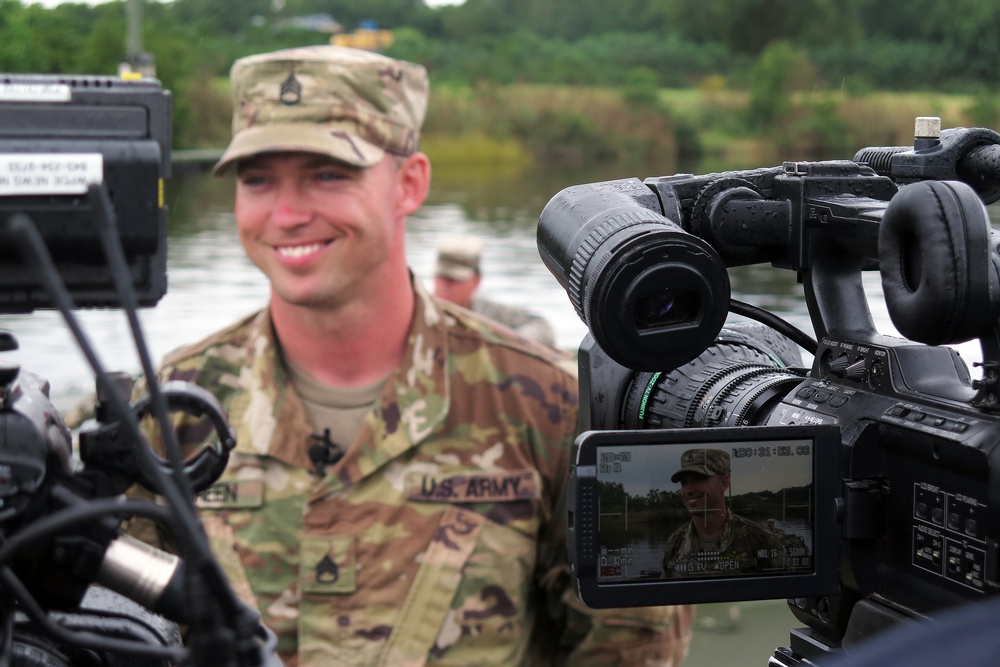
(928, 546)
(947, 536)
(965, 563)
(928, 504)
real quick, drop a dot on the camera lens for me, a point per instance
(653, 311)
(735, 382)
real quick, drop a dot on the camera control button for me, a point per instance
(838, 401)
(875, 375)
(959, 427)
(916, 416)
(970, 527)
(937, 516)
(898, 411)
(839, 365)
(805, 392)
(822, 396)
(823, 610)
(954, 521)
(856, 371)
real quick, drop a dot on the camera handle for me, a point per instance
(964, 154)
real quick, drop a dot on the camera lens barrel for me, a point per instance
(652, 295)
(732, 383)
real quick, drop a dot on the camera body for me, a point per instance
(59, 135)
(885, 447)
(63, 139)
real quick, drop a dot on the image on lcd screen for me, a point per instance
(704, 511)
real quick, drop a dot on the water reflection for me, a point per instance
(211, 283)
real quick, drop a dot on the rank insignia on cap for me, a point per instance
(291, 90)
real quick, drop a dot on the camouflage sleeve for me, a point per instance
(648, 636)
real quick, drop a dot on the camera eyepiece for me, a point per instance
(652, 295)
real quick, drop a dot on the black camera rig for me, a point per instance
(83, 163)
(902, 518)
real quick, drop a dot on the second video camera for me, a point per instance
(714, 466)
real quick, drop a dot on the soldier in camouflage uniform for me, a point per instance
(397, 494)
(715, 542)
(457, 277)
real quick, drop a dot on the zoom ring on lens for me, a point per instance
(749, 401)
(728, 384)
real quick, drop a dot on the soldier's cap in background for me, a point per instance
(703, 461)
(350, 104)
(458, 258)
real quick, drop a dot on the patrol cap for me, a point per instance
(458, 258)
(350, 104)
(706, 462)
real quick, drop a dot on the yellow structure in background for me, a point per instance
(364, 38)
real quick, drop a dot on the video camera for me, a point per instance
(83, 163)
(713, 465)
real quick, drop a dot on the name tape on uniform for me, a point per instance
(35, 92)
(235, 494)
(49, 173)
(473, 486)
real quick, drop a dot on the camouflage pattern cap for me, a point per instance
(458, 258)
(703, 461)
(350, 104)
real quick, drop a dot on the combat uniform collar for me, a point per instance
(412, 404)
(725, 538)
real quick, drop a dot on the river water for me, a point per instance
(211, 283)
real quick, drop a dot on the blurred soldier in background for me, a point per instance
(457, 278)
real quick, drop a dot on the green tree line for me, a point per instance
(656, 504)
(767, 48)
(885, 44)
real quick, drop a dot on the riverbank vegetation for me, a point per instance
(573, 81)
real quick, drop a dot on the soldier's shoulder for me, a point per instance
(502, 312)
(473, 330)
(756, 524)
(233, 336)
(676, 538)
(751, 527)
